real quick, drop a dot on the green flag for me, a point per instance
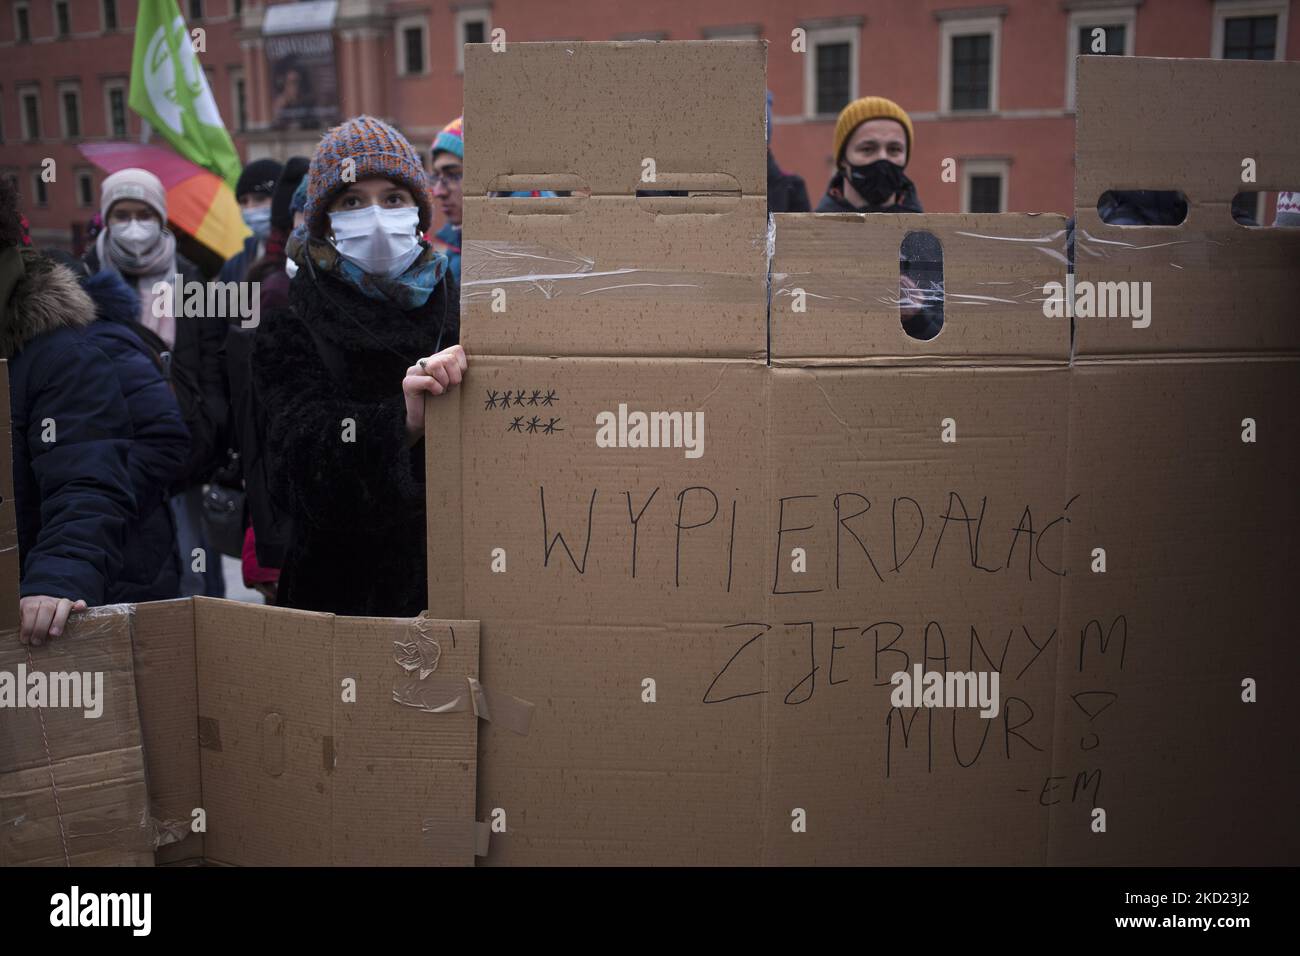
(170, 90)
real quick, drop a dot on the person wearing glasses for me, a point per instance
(448, 170)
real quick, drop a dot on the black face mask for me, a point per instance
(878, 182)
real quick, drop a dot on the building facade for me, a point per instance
(989, 86)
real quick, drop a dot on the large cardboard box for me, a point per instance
(266, 736)
(707, 612)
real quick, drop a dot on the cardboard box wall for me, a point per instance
(1120, 691)
(1196, 535)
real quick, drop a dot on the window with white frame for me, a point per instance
(968, 64)
(830, 79)
(239, 96)
(1106, 32)
(40, 192)
(1249, 31)
(984, 185)
(62, 19)
(473, 25)
(108, 15)
(85, 188)
(30, 110)
(70, 110)
(115, 109)
(22, 23)
(196, 10)
(412, 41)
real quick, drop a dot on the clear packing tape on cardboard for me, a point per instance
(422, 688)
(535, 270)
(839, 282)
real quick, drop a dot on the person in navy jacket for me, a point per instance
(71, 437)
(161, 444)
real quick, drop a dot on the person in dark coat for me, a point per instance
(342, 375)
(786, 192)
(268, 528)
(160, 447)
(253, 191)
(136, 244)
(71, 437)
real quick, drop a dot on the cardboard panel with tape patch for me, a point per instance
(309, 758)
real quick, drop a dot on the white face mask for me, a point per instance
(379, 241)
(291, 267)
(137, 236)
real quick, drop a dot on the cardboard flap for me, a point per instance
(1151, 123)
(835, 288)
(540, 108)
(72, 765)
(1208, 285)
(309, 724)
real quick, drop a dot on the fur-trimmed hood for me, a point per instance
(39, 295)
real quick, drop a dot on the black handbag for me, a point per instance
(224, 502)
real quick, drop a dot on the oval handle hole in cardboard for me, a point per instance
(1142, 207)
(1250, 208)
(545, 194)
(920, 285)
(709, 194)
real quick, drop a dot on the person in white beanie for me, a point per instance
(137, 244)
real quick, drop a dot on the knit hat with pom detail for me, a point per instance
(869, 108)
(451, 139)
(375, 149)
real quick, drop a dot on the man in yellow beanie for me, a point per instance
(873, 141)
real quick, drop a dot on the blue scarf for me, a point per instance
(410, 290)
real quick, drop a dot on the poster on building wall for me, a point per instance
(303, 82)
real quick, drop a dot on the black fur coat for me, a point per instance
(357, 506)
